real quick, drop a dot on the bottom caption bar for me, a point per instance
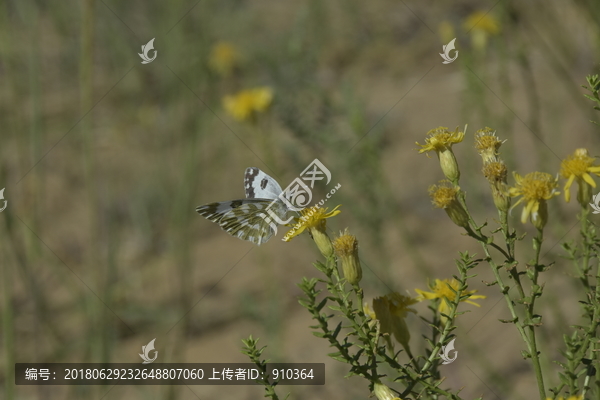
(168, 374)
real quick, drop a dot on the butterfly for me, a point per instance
(248, 218)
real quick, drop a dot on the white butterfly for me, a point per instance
(247, 218)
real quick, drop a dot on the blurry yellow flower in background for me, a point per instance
(535, 188)
(579, 166)
(245, 105)
(441, 140)
(481, 25)
(446, 31)
(391, 311)
(441, 289)
(223, 58)
(483, 21)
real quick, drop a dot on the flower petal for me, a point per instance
(588, 179)
(568, 186)
(426, 295)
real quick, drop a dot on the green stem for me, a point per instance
(535, 292)
(448, 327)
(412, 358)
(586, 381)
(588, 243)
(503, 287)
(510, 247)
(486, 242)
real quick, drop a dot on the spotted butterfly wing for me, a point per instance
(247, 219)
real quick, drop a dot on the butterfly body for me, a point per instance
(249, 219)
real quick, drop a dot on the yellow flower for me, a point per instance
(313, 219)
(346, 248)
(481, 25)
(391, 311)
(579, 166)
(383, 392)
(445, 196)
(223, 58)
(441, 140)
(580, 397)
(495, 171)
(535, 188)
(441, 289)
(487, 144)
(245, 105)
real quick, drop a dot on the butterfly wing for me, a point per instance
(246, 219)
(259, 185)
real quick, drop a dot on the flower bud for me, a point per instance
(487, 144)
(370, 314)
(458, 214)
(322, 241)
(382, 392)
(346, 248)
(449, 165)
(540, 217)
(445, 196)
(501, 197)
(584, 193)
(495, 172)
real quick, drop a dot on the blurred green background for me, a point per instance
(104, 160)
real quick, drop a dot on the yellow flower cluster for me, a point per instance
(535, 188)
